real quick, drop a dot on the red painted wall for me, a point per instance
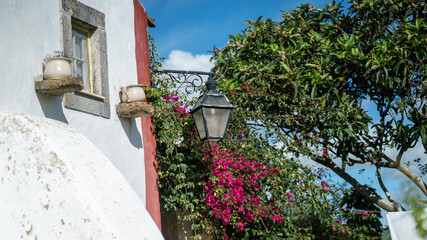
(148, 136)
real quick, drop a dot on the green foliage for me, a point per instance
(418, 210)
(294, 204)
(310, 75)
(368, 221)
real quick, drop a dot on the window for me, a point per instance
(84, 38)
(81, 66)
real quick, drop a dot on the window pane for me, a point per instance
(80, 57)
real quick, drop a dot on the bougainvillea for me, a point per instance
(243, 188)
(352, 74)
(233, 189)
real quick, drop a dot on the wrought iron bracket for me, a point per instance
(188, 81)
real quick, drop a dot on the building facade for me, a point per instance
(108, 43)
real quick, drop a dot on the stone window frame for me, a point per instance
(76, 13)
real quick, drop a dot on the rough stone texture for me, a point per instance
(55, 184)
(84, 12)
(134, 110)
(57, 87)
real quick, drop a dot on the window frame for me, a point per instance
(77, 15)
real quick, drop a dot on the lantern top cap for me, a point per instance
(211, 84)
(212, 100)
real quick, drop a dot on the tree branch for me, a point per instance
(414, 178)
(380, 181)
(384, 204)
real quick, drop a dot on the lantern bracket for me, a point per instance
(212, 111)
(188, 81)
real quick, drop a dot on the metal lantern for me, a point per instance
(212, 113)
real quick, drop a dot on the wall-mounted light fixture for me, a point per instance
(212, 111)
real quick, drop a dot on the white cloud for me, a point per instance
(180, 60)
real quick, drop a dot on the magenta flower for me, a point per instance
(340, 222)
(179, 109)
(334, 229)
(277, 218)
(167, 98)
(238, 205)
(232, 93)
(325, 153)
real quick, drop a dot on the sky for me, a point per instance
(187, 30)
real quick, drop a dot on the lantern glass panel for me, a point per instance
(200, 125)
(216, 121)
(217, 100)
(199, 101)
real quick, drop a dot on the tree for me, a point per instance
(368, 216)
(243, 188)
(304, 81)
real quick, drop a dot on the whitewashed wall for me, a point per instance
(30, 30)
(50, 190)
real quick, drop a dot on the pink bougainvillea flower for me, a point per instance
(340, 222)
(167, 98)
(179, 109)
(334, 229)
(175, 98)
(237, 206)
(343, 232)
(232, 93)
(277, 218)
(325, 153)
(240, 226)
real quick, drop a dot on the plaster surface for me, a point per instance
(55, 184)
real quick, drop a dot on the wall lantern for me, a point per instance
(212, 111)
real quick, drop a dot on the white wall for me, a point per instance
(30, 30)
(55, 184)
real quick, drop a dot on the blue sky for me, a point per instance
(196, 26)
(188, 29)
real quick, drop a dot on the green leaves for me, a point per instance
(324, 84)
(354, 79)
